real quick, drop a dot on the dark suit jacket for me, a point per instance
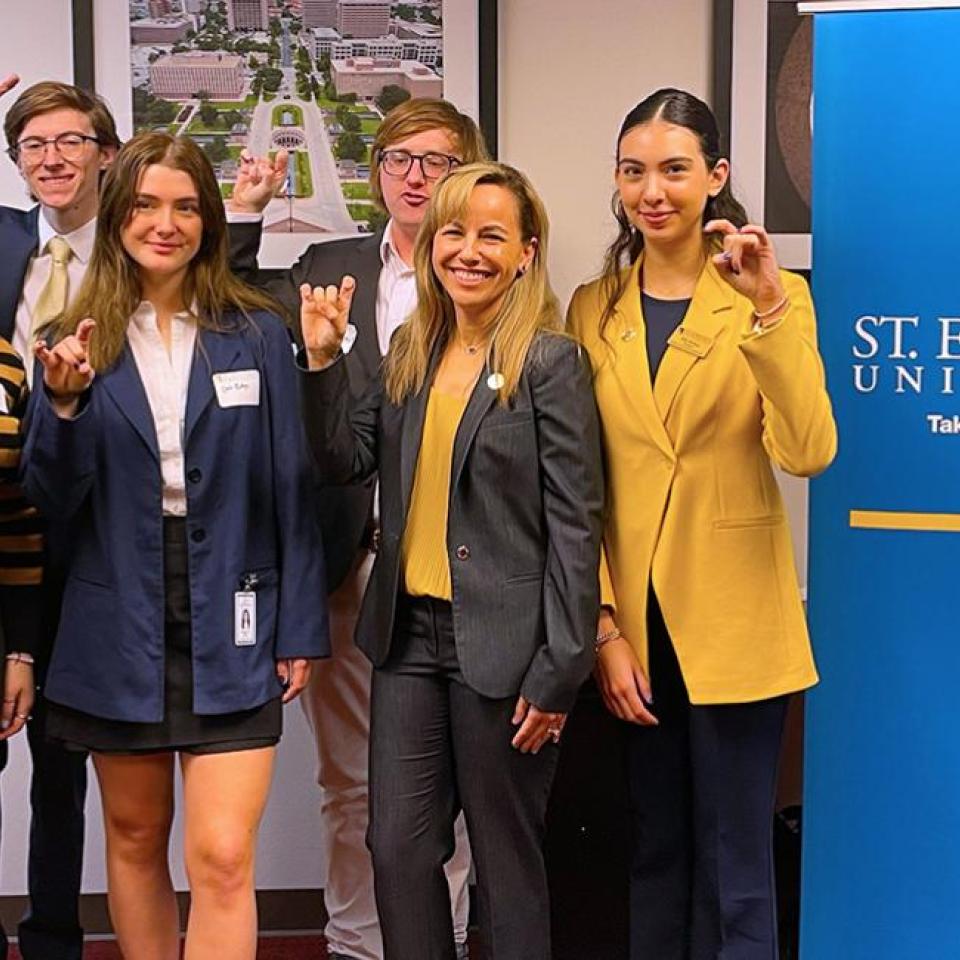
(344, 509)
(523, 530)
(19, 237)
(248, 483)
(27, 613)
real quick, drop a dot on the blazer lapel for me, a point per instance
(705, 320)
(124, 385)
(20, 244)
(481, 400)
(364, 309)
(627, 337)
(213, 353)
(411, 431)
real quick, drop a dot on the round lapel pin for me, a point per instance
(496, 381)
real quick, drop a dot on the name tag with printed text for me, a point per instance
(239, 388)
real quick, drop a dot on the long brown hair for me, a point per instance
(683, 110)
(111, 287)
(528, 307)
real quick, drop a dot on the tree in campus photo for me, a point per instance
(391, 96)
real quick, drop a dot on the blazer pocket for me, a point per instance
(746, 523)
(92, 580)
(524, 578)
(497, 418)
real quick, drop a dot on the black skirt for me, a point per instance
(181, 728)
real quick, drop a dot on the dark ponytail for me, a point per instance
(683, 110)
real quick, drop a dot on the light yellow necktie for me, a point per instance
(53, 297)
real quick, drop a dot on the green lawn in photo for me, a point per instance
(246, 104)
(360, 211)
(279, 110)
(356, 190)
(370, 126)
(226, 190)
(304, 185)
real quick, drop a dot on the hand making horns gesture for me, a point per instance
(66, 368)
(324, 313)
(258, 180)
(749, 263)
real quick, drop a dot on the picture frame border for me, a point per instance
(739, 97)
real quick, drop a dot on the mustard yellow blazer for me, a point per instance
(691, 497)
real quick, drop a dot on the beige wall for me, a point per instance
(569, 72)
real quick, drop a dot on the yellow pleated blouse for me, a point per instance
(426, 567)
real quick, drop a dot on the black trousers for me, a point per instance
(702, 788)
(50, 929)
(437, 745)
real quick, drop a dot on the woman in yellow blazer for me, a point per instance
(706, 373)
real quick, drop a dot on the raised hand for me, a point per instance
(749, 263)
(8, 83)
(66, 367)
(258, 180)
(324, 314)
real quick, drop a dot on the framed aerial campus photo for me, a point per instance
(762, 93)
(312, 76)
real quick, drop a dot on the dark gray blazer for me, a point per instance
(524, 522)
(344, 509)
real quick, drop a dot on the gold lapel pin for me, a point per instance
(628, 334)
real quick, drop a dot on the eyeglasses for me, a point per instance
(69, 145)
(433, 166)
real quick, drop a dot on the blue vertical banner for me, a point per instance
(881, 857)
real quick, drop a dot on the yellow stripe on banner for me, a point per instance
(891, 520)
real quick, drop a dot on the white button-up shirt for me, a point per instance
(38, 272)
(396, 291)
(165, 377)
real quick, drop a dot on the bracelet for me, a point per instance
(774, 309)
(603, 638)
(20, 658)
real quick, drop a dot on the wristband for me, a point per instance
(604, 638)
(767, 314)
(20, 658)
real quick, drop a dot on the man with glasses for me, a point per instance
(61, 140)
(417, 143)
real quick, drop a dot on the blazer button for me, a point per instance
(463, 552)
(195, 475)
(198, 536)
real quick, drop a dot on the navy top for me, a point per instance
(661, 318)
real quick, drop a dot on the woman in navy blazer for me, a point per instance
(195, 583)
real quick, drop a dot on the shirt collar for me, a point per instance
(145, 316)
(80, 240)
(388, 251)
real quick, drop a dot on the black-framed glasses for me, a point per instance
(397, 163)
(70, 145)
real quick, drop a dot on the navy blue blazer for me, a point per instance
(250, 510)
(19, 236)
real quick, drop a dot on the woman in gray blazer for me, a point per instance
(480, 613)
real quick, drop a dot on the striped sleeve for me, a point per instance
(21, 538)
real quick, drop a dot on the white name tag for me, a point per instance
(244, 618)
(239, 388)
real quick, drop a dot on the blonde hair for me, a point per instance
(528, 307)
(419, 115)
(111, 290)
